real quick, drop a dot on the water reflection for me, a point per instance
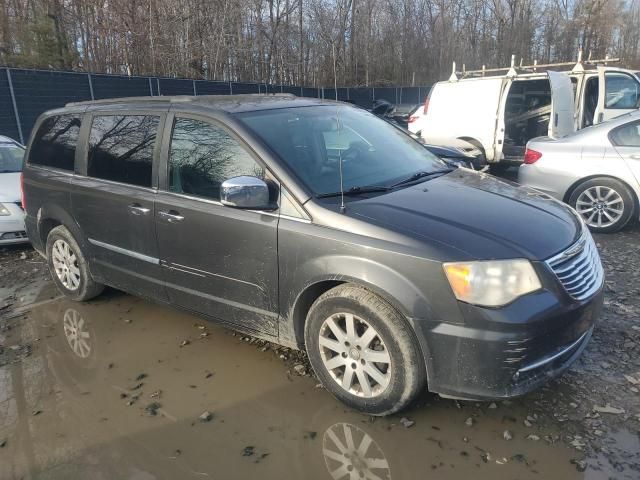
(93, 375)
(75, 331)
(350, 452)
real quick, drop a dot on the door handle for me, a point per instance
(137, 209)
(635, 157)
(171, 216)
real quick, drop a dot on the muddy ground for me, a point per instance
(122, 388)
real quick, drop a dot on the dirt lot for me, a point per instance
(122, 388)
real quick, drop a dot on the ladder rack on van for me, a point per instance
(513, 70)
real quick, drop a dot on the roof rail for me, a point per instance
(166, 99)
(169, 98)
(513, 69)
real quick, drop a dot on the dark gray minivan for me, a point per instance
(315, 224)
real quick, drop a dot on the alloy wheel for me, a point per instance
(351, 453)
(600, 206)
(77, 337)
(65, 264)
(355, 355)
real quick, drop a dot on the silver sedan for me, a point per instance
(596, 171)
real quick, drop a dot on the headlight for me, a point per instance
(492, 283)
(4, 211)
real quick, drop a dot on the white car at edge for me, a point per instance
(11, 213)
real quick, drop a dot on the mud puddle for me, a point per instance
(122, 388)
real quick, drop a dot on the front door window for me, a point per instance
(203, 156)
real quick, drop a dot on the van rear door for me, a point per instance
(618, 93)
(562, 121)
(463, 114)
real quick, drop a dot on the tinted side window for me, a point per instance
(54, 145)
(203, 156)
(621, 91)
(627, 135)
(121, 148)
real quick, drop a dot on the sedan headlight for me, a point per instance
(492, 283)
(4, 211)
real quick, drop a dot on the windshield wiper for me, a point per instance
(422, 174)
(356, 191)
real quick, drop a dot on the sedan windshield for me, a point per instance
(316, 142)
(11, 158)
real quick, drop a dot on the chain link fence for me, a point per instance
(25, 94)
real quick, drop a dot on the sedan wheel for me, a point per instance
(605, 204)
(355, 355)
(600, 206)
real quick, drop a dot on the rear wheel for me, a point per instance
(68, 266)
(363, 351)
(605, 204)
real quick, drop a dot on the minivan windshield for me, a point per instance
(313, 141)
(11, 158)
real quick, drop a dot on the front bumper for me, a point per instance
(12, 229)
(507, 352)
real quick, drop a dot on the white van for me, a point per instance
(497, 115)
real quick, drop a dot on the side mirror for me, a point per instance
(245, 192)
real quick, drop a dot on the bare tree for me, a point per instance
(311, 42)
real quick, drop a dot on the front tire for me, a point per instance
(605, 204)
(68, 266)
(363, 351)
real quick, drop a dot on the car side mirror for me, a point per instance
(246, 192)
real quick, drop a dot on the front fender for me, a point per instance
(386, 282)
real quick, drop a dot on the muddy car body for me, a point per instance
(441, 277)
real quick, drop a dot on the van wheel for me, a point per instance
(68, 266)
(605, 204)
(363, 351)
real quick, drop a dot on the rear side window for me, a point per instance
(121, 148)
(627, 135)
(54, 144)
(203, 156)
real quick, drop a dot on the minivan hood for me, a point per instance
(10, 187)
(476, 215)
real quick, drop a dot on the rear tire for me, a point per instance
(363, 351)
(68, 266)
(605, 204)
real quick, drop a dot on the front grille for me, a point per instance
(579, 268)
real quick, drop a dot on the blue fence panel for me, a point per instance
(329, 94)
(8, 124)
(362, 97)
(112, 86)
(244, 88)
(291, 89)
(38, 91)
(175, 86)
(310, 92)
(342, 96)
(411, 95)
(385, 93)
(155, 86)
(206, 87)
